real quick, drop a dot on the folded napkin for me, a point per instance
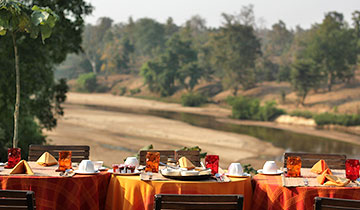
(47, 159)
(319, 167)
(22, 168)
(336, 181)
(186, 163)
(322, 178)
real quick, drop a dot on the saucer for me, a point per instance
(86, 172)
(102, 169)
(260, 171)
(238, 175)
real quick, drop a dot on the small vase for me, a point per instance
(14, 157)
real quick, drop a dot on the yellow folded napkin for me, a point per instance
(319, 167)
(321, 178)
(186, 163)
(336, 181)
(22, 168)
(47, 159)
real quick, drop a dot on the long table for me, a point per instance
(269, 194)
(130, 193)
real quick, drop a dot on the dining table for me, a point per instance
(270, 194)
(132, 193)
(54, 192)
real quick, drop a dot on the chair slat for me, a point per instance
(79, 152)
(199, 198)
(193, 156)
(197, 206)
(17, 199)
(334, 161)
(322, 203)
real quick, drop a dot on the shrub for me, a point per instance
(249, 109)
(337, 119)
(122, 91)
(193, 99)
(304, 114)
(135, 91)
(87, 82)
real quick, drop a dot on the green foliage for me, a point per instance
(87, 82)
(195, 148)
(193, 99)
(304, 114)
(249, 109)
(135, 91)
(337, 119)
(249, 169)
(122, 91)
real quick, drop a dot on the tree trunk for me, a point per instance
(330, 82)
(17, 102)
(93, 66)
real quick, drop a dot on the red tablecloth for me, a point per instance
(87, 192)
(271, 195)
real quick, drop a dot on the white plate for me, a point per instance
(102, 168)
(2, 164)
(85, 172)
(238, 176)
(260, 171)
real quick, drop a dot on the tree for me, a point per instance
(305, 76)
(93, 41)
(14, 19)
(235, 50)
(334, 47)
(41, 95)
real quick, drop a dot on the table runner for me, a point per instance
(269, 194)
(130, 193)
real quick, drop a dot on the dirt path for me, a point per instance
(113, 136)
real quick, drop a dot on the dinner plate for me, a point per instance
(260, 171)
(125, 174)
(244, 175)
(188, 178)
(102, 169)
(84, 172)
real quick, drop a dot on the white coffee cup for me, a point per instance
(98, 164)
(86, 166)
(270, 167)
(132, 161)
(235, 169)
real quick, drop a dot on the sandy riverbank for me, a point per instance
(113, 136)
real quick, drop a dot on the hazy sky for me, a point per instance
(292, 12)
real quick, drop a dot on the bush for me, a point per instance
(337, 119)
(135, 91)
(122, 91)
(87, 82)
(304, 114)
(249, 109)
(193, 99)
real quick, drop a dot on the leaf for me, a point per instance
(45, 32)
(39, 18)
(2, 31)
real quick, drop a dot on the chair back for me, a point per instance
(17, 199)
(334, 161)
(336, 204)
(193, 156)
(173, 201)
(78, 152)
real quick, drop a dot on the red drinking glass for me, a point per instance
(64, 160)
(212, 162)
(352, 169)
(14, 157)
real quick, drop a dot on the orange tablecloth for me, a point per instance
(87, 192)
(129, 192)
(271, 195)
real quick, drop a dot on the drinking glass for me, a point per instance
(64, 160)
(293, 165)
(152, 162)
(14, 157)
(212, 162)
(352, 169)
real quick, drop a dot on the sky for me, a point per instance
(292, 12)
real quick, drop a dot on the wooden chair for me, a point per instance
(17, 199)
(334, 161)
(336, 204)
(193, 156)
(79, 152)
(173, 201)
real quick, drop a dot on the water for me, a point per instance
(288, 140)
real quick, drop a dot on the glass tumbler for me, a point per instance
(152, 162)
(352, 169)
(64, 160)
(212, 162)
(14, 157)
(293, 165)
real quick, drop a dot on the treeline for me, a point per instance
(239, 53)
